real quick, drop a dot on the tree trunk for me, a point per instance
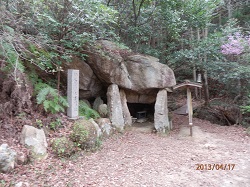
(229, 9)
(200, 60)
(239, 89)
(205, 85)
(206, 91)
(195, 80)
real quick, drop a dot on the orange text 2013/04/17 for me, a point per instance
(215, 166)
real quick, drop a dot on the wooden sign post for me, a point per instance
(187, 84)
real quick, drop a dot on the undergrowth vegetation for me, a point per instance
(63, 147)
(85, 136)
(86, 111)
(51, 100)
(190, 35)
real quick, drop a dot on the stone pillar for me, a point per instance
(115, 107)
(126, 114)
(161, 121)
(73, 93)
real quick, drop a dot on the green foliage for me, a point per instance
(50, 99)
(75, 22)
(55, 124)
(47, 96)
(86, 111)
(10, 55)
(199, 13)
(79, 135)
(85, 136)
(47, 61)
(242, 14)
(63, 147)
(48, 33)
(246, 109)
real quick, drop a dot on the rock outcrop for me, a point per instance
(141, 74)
(89, 84)
(126, 77)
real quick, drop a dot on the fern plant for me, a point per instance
(245, 109)
(51, 100)
(86, 111)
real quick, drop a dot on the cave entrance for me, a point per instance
(140, 111)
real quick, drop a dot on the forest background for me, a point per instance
(210, 38)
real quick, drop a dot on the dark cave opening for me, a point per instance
(142, 110)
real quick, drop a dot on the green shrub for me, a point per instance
(79, 135)
(51, 100)
(84, 134)
(86, 111)
(63, 147)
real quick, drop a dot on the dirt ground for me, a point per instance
(214, 156)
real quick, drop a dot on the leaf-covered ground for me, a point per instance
(144, 159)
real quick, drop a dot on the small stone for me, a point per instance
(34, 139)
(98, 101)
(7, 158)
(105, 125)
(22, 158)
(103, 110)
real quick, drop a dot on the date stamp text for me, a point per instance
(215, 166)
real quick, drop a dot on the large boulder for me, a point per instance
(7, 158)
(35, 140)
(134, 97)
(143, 75)
(89, 84)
